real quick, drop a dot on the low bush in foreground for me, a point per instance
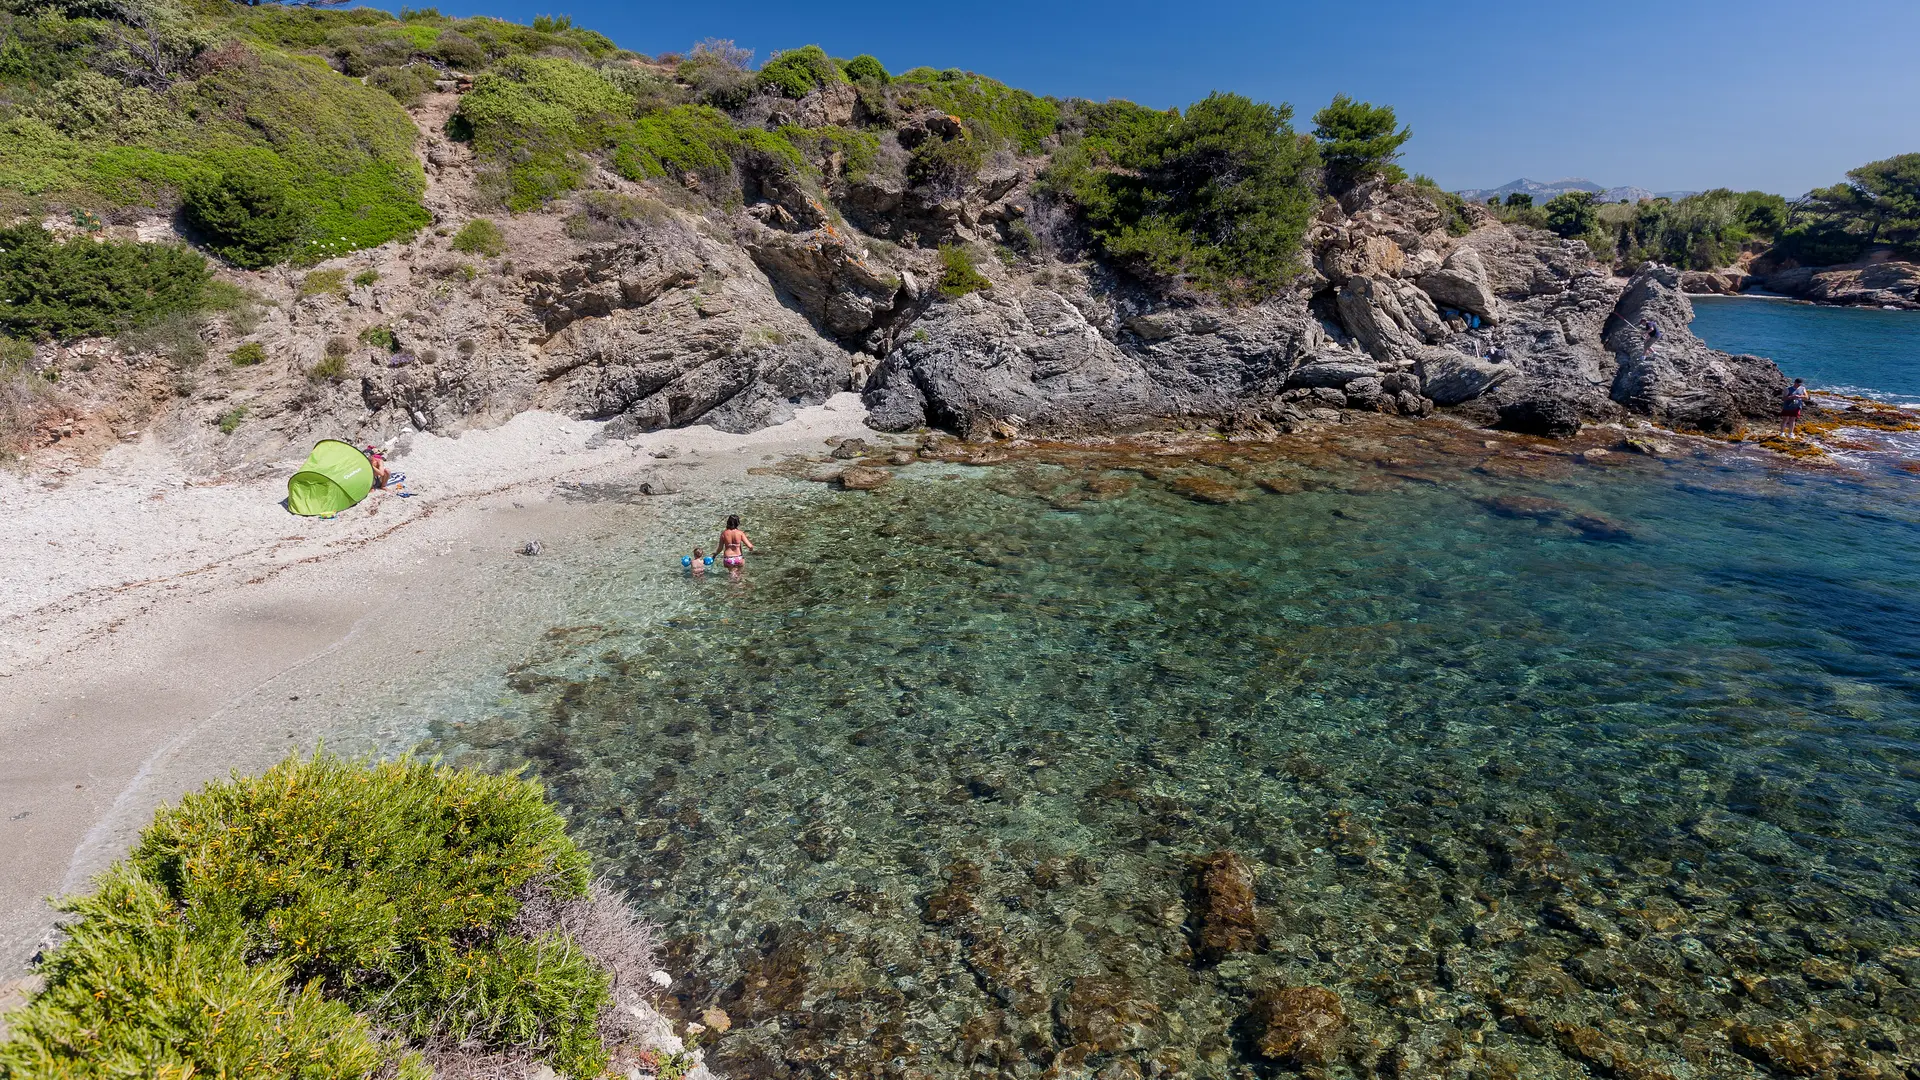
(305, 922)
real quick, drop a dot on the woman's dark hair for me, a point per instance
(733, 521)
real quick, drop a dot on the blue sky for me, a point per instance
(1677, 94)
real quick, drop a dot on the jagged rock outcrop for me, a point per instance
(1049, 359)
(636, 339)
(1677, 379)
(829, 278)
(1462, 282)
(1879, 284)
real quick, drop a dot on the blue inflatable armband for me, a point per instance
(686, 560)
(708, 560)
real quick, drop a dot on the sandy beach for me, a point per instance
(159, 629)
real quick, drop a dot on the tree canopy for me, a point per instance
(1358, 142)
(1878, 204)
(1219, 196)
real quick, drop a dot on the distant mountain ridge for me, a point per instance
(1542, 192)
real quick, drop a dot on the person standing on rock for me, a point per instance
(734, 545)
(1790, 407)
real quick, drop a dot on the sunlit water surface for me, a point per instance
(1546, 768)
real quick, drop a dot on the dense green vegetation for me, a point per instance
(85, 288)
(799, 72)
(279, 131)
(1878, 204)
(1358, 142)
(1699, 232)
(993, 111)
(264, 927)
(1219, 196)
(106, 107)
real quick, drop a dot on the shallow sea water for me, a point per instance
(1545, 768)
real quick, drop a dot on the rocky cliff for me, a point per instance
(646, 305)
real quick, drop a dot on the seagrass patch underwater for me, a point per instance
(1061, 769)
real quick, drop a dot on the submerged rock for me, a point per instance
(1228, 920)
(861, 478)
(1298, 1025)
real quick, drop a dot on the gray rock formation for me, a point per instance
(1462, 282)
(1033, 359)
(1678, 380)
(1880, 284)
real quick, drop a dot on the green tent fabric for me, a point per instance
(336, 476)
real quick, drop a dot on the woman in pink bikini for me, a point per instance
(734, 544)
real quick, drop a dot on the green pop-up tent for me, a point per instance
(336, 476)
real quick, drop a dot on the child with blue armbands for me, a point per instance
(696, 562)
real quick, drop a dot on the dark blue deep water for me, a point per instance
(1850, 350)
(1542, 767)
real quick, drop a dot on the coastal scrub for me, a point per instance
(337, 916)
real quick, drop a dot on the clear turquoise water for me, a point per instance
(1548, 769)
(1851, 350)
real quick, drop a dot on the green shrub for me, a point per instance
(329, 368)
(380, 337)
(858, 151)
(324, 283)
(389, 889)
(529, 120)
(1572, 214)
(248, 354)
(242, 308)
(1220, 196)
(365, 278)
(717, 72)
(480, 237)
(799, 72)
(701, 140)
(249, 214)
(458, 50)
(605, 214)
(947, 164)
(958, 273)
(230, 420)
(1358, 142)
(84, 288)
(138, 991)
(865, 69)
(406, 85)
(1003, 115)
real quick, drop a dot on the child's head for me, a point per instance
(698, 554)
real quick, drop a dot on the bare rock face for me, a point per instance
(1881, 284)
(1676, 379)
(632, 338)
(1450, 377)
(1299, 1025)
(829, 278)
(1462, 282)
(1032, 357)
(613, 276)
